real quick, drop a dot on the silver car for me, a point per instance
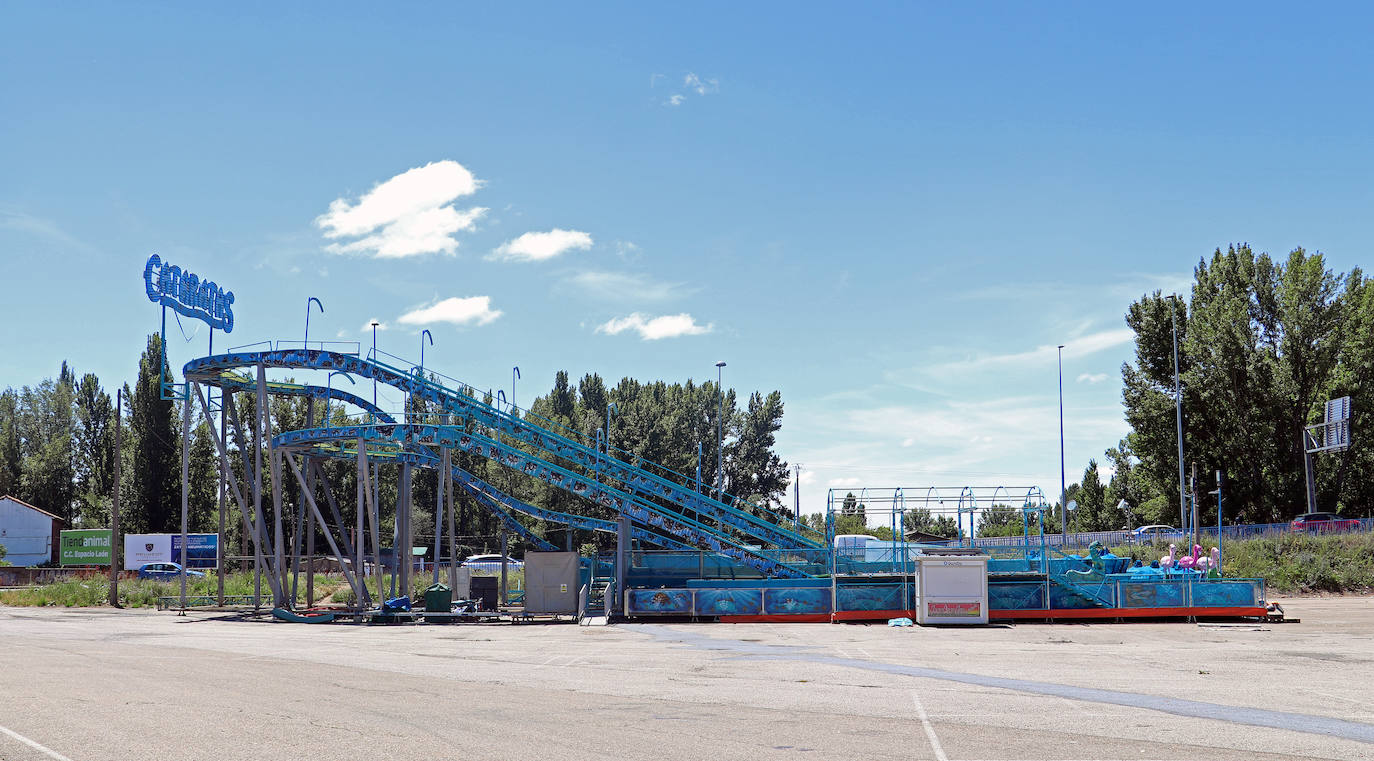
(492, 563)
(1157, 532)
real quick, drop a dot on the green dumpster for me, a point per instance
(439, 598)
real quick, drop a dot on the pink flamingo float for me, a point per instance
(1216, 560)
(1189, 562)
(1166, 563)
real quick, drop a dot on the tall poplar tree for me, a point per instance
(154, 504)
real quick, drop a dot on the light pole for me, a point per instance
(306, 343)
(329, 389)
(1063, 490)
(611, 409)
(374, 359)
(698, 467)
(720, 430)
(514, 376)
(1178, 417)
(423, 335)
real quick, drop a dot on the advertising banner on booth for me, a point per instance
(85, 547)
(202, 550)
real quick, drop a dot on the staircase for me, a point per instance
(596, 608)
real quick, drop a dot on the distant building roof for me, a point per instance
(31, 507)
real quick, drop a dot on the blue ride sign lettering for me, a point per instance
(187, 294)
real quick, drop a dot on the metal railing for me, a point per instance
(1110, 538)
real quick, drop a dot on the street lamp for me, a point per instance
(720, 431)
(423, 335)
(306, 344)
(329, 388)
(1063, 490)
(514, 376)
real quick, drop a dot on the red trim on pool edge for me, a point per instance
(1005, 615)
(872, 615)
(1063, 613)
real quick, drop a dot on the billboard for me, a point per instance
(202, 550)
(85, 547)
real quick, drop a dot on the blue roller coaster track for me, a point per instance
(664, 507)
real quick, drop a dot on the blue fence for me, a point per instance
(1113, 538)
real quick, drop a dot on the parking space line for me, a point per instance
(49, 752)
(930, 730)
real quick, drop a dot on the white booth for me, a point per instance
(952, 589)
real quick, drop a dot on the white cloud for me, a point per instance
(367, 326)
(700, 86)
(536, 247)
(618, 286)
(407, 215)
(692, 85)
(1081, 346)
(1093, 378)
(807, 477)
(848, 481)
(908, 441)
(473, 309)
(654, 328)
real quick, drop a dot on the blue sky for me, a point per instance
(892, 213)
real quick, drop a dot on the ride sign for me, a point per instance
(187, 294)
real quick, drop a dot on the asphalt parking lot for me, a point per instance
(100, 684)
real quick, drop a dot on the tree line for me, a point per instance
(57, 450)
(1262, 345)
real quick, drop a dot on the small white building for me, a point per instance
(28, 533)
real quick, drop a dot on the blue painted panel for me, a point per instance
(1014, 596)
(798, 601)
(728, 602)
(869, 597)
(670, 602)
(1066, 598)
(1226, 594)
(1163, 594)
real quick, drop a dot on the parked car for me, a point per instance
(1154, 532)
(491, 563)
(163, 571)
(1323, 522)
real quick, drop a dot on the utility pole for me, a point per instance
(796, 497)
(1193, 512)
(1219, 521)
(1178, 416)
(115, 545)
(720, 433)
(1063, 490)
